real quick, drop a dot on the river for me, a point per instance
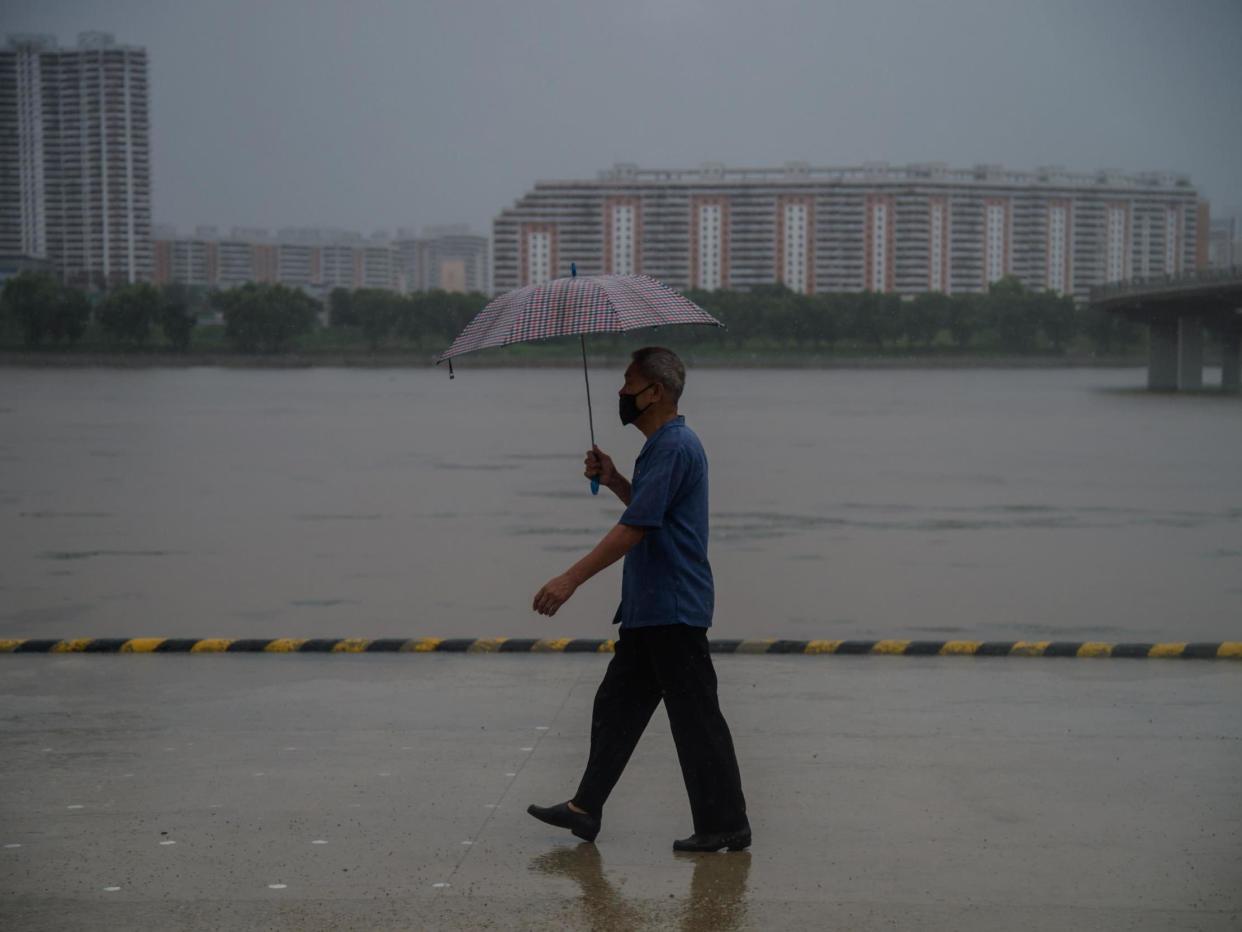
(932, 504)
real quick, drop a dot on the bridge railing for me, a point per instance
(1150, 284)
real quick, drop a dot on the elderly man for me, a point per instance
(666, 608)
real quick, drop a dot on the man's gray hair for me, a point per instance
(657, 364)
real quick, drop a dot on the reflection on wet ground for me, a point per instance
(715, 902)
(387, 792)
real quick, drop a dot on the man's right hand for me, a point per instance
(599, 466)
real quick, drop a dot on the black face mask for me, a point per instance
(627, 406)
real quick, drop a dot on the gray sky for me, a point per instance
(370, 115)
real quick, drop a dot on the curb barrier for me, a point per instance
(1220, 650)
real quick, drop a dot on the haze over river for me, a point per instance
(929, 504)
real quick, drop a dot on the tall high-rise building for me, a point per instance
(870, 227)
(75, 163)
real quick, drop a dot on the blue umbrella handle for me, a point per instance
(586, 379)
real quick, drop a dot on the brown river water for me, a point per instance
(930, 504)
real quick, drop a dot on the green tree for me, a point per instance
(802, 312)
(266, 318)
(409, 325)
(965, 318)
(30, 300)
(740, 313)
(176, 318)
(923, 318)
(1058, 318)
(340, 308)
(1012, 315)
(876, 318)
(445, 313)
(824, 312)
(1110, 333)
(128, 313)
(377, 312)
(71, 315)
(779, 313)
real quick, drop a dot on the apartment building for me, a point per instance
(75, 165)
(1225, 244)
(312, 259)
(872, 227)
(447, 257)
(319, 260)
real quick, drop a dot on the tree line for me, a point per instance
(1007, 318)
(40, 311)
(37, 311)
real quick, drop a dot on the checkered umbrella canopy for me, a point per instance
(575, 306)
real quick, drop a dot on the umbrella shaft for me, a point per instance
(586, 378)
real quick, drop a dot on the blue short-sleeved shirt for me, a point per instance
(666, 578)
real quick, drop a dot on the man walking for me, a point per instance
(667, 598)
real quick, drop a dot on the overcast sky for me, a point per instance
(372, 115)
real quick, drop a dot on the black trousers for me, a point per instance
(673, 663)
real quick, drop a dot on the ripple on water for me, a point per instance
(65, 514)
(554, 531)
(485, 467)
(89, 554)
(737, 525)
(337, 517)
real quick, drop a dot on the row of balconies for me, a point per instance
(544, 201)
(959, 227)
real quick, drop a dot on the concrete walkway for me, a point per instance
(388, 792)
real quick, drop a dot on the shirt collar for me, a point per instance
(678, 421)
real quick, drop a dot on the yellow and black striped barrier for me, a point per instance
(1220, 650)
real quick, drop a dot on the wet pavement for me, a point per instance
(388, 792)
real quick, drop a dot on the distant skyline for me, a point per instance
(372, 116)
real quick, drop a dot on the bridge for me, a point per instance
(1177, 309)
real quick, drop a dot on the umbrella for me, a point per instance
(576, 306)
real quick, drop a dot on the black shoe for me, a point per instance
(734, 841)
(582, 824)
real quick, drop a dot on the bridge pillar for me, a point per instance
(1162, 356)
(1189, 354)
(1231, 362)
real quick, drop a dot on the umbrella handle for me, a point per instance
(587, 380)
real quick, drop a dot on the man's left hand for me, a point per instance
(554, 594)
